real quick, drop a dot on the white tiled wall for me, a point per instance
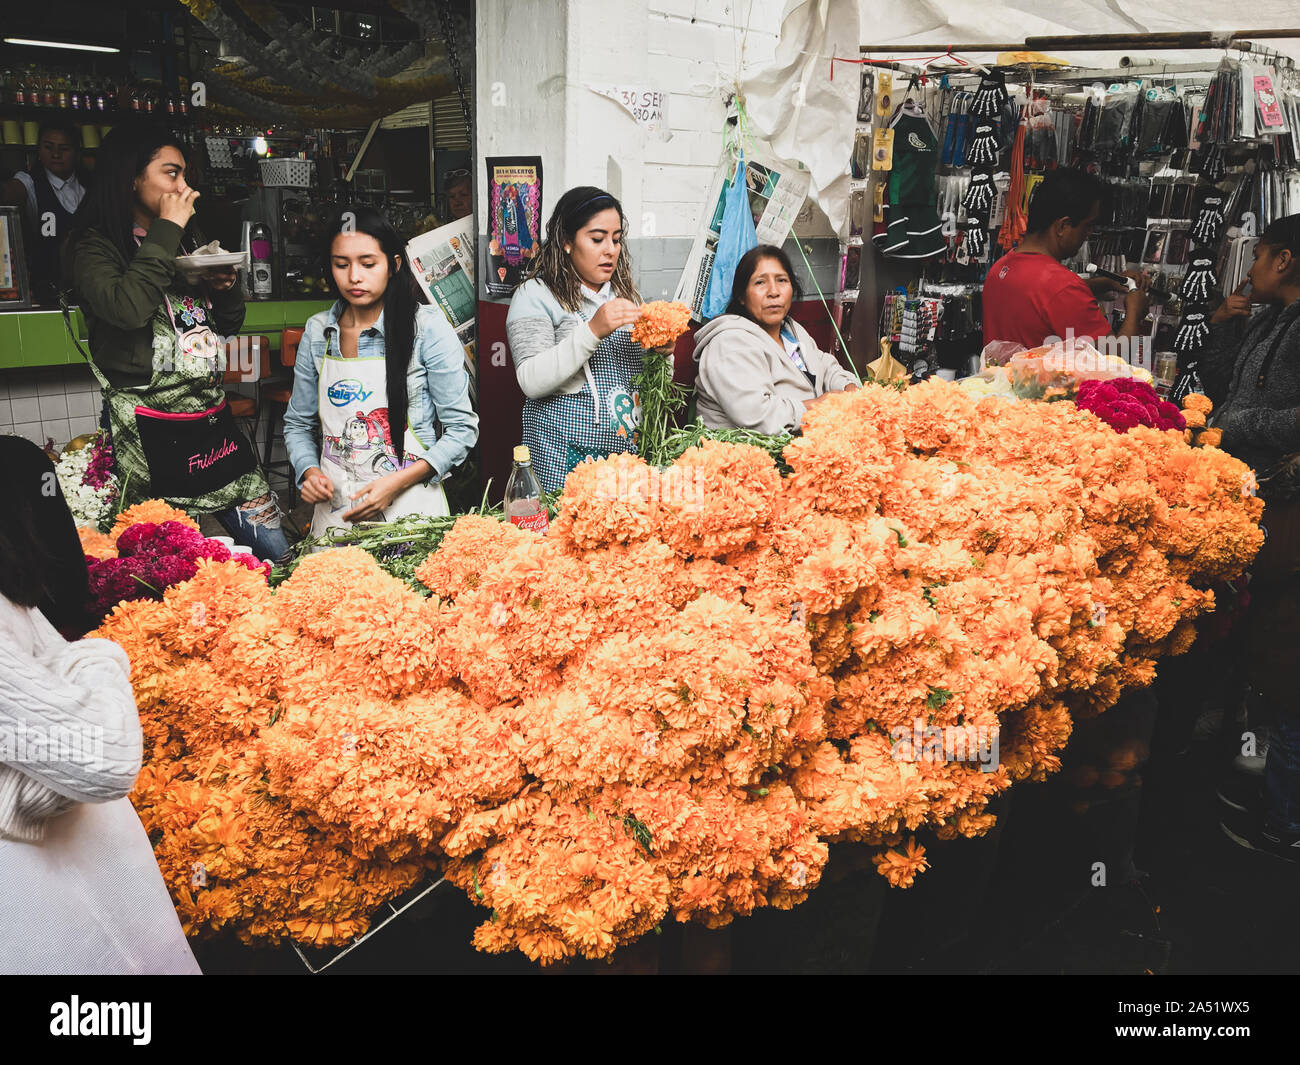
(62, 402)
(53, 403)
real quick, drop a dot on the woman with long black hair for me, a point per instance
(574, 358)
(158, 343)
(80, 891)
(375, 374)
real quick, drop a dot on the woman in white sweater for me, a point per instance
(760, 369)
(80, 891)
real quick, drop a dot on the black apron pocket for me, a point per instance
(190, 455)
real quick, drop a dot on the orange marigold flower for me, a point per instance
(661, 323)
(151, 510)
(95, 544)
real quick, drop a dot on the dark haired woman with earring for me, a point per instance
(375, 373)
(760, 369)
(157, 342)
(574, 357)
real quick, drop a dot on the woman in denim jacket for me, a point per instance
(381, 371)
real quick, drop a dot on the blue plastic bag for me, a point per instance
(737, 236)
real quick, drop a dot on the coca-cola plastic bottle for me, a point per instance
(524, 495)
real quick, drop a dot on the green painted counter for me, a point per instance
(38, 338)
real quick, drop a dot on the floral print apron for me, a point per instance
(356, 446)
(188, 367)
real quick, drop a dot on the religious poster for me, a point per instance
(514, 219)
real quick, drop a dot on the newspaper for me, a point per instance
(776, 195)
(442, 261)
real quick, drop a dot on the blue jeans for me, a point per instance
(255, 528)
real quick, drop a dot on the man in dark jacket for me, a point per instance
(1251, 369)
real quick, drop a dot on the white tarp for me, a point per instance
(809, 118)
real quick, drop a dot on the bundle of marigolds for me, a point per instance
(661, 323)
(669, 705)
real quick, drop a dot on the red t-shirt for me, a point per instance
(1029, 298)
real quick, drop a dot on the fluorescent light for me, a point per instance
(61, 44)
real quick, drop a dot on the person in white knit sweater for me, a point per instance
(80, 891)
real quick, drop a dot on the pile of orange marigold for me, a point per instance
(671, 703)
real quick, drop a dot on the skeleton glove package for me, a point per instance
(976, 235)
(980, 194)
(990, 96)
(984, 146)
(1209, 221)
(1192, 332)
(1200, 280)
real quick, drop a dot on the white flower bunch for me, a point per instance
(90, 506)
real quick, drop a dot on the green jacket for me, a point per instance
(118, 299)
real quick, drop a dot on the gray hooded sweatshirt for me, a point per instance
(747, 380)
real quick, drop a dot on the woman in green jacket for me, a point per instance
(158, 343)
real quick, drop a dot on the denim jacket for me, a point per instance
(437, 387)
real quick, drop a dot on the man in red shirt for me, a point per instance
(1030, 297)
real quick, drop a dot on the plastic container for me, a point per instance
(524, 495)
(287, 173)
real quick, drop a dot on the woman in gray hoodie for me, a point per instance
(759, 369)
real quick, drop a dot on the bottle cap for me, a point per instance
(521, 454)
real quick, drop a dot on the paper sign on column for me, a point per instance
(648, 106)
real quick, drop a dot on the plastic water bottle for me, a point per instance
(524, 495)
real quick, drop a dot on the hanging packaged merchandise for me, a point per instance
(867, 95)
(984, 146)
(991, 96)
(1162, 126)
(860, 165)
(1040, 143)
(1193, 331)
(884, 94)
(980, 193)
(914, 227)
(1114, 125)
(1016, 222)
(1187, 383)
(1200, 281)
(1209, 218)
(976, 241)
(1212, 166)
(882, 155)
(878, 201)
(954, 140)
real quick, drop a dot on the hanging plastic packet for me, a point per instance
(882, 154)
(884, 94)
(1157, 108)
(1114, 124)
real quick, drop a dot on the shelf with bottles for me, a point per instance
(36, 94)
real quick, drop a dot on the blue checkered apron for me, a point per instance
(563, 430)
